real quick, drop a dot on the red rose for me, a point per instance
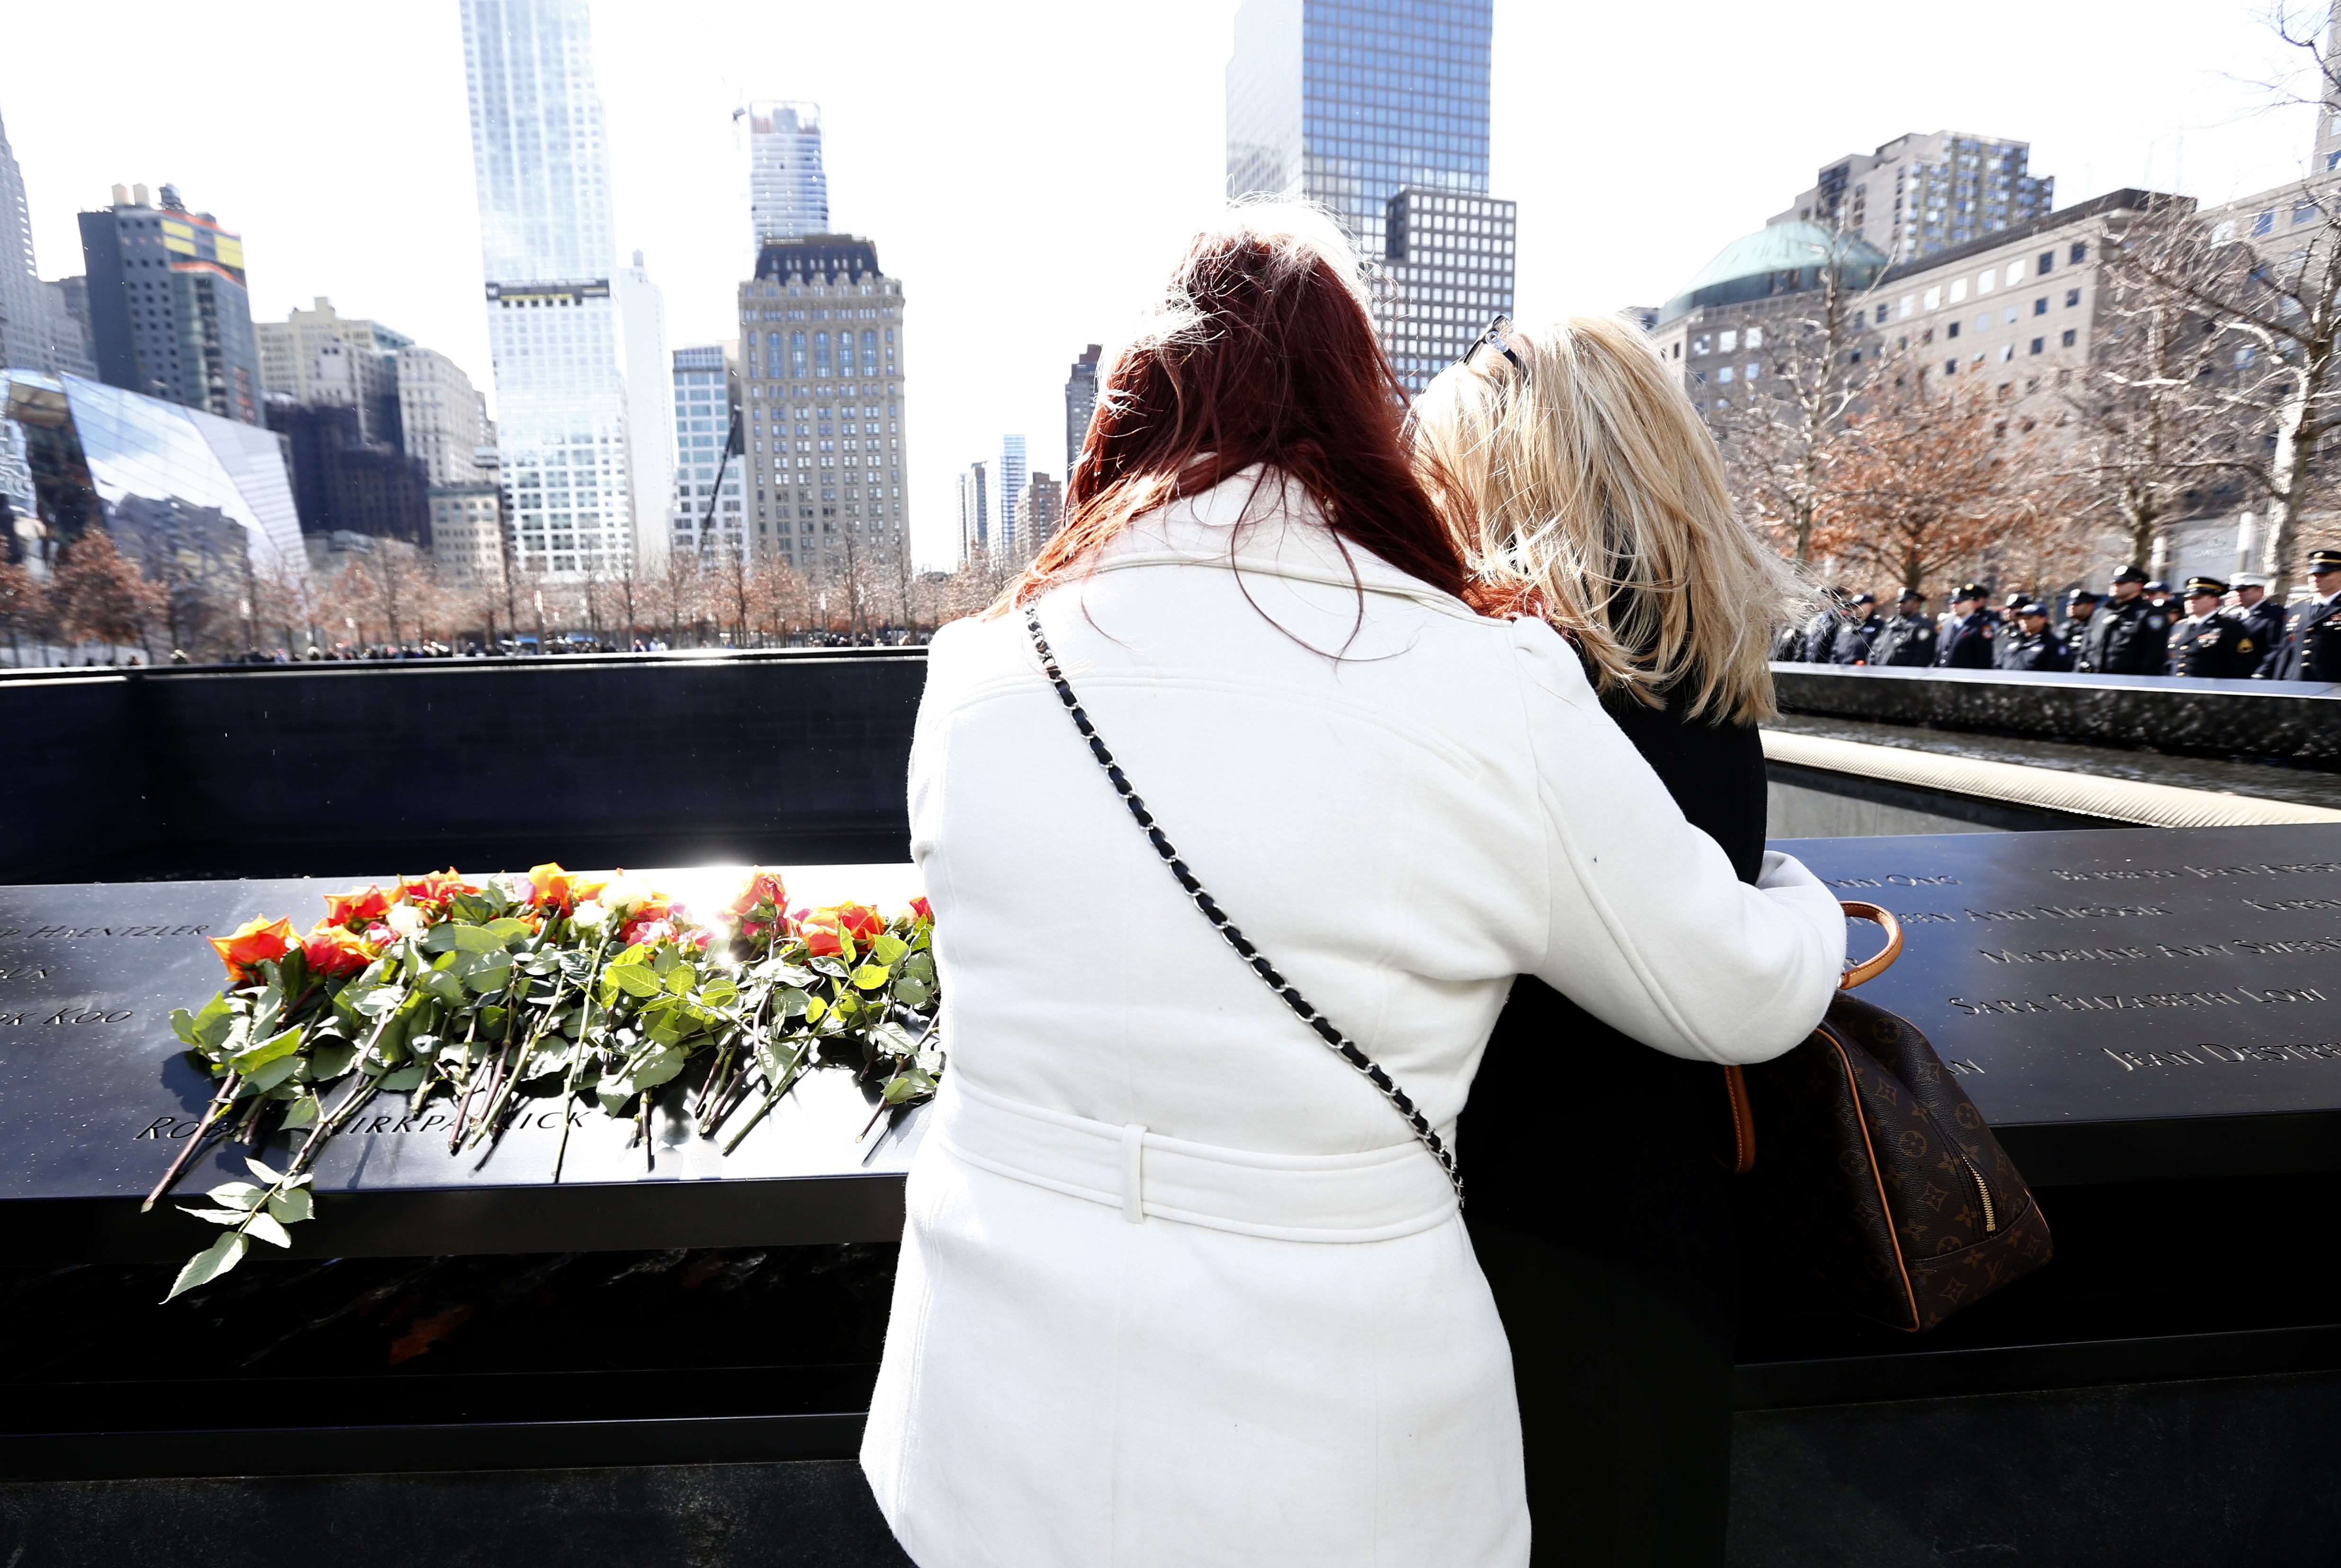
(256, 942)
(759, 904)
(923, 911)
(435, 891)
(824, 929)
(333, 949)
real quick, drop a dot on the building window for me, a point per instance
(1754, 340)
(1934, 299)
(2072, 298)
(1881, 315)
(1959, 290)
(1724, 375)
(1951, 367)
(2007, 353)
(1699, 345)
(2070, 335)
(2040, 306)
(1952, 331)
(2047, 263)
(2302, 211)
(2263, 220)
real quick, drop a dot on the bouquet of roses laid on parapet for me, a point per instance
(521, 989)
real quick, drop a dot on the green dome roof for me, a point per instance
(1779, 258)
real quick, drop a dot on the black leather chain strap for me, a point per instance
(1341, 1045)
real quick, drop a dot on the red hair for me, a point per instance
(1264, 354)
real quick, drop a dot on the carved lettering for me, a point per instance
(2306, 945)
(71, 933)
(37, 972)
(2214, 1054)
(2282, 905)
(2061, 912)
(2062, 954)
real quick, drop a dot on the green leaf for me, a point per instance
(658, 1068)
(791, 1002)
(888, 947)
(210, 1264)
(263, 1226)
(263, 1078)
(634, 979)
(238, 1193)
(921, 967)
(871, 977)
(379, 1000)
(910, 992)
(405, 1078)
(217, 1215)
(206, 1029)
(301, 1113)
(447, 987)
(814, 1010)
(268, 1050)
(482, 981)
(448, 936)
(261, 1171)
(678, 979)
(508, 930)
(329, 1059)
(293, 1205)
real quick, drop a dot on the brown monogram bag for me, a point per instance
(1883, 1179)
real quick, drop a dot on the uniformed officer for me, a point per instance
(2032, 645)
(2157, 594)
(2207, 643)
(1820, 631)
(2128, 636)
(1966, 642)
(2312, 632)
(2080, 605)
(2261, 616)
(1859, 635)
(1908, 640)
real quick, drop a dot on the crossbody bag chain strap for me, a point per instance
(1341, 1044)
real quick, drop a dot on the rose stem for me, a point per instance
(196, 1143)
(577, 1051)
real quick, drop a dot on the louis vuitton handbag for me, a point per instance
(1879, 1176)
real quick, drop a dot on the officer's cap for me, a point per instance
(2130, 574)
(2035, 608)
(1910, 595)
(2323, 561)
(1972, 590)
(2248, 580)
(2082, 596)
(2158, 586)
(2199, 585)
(1865, 598)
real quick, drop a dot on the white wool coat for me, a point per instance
(1177, 1286)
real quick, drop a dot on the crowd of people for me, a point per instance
(2207, 628)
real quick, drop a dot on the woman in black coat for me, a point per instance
(1584, 487)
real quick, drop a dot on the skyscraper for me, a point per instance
(1918, 194)
(974, 512)
(1008, 486)
(24, 315)
(823, 348)
(650, 453)
(788, 193)
(439, 417)
(320, 356)
(1081, 404)
(169, 315)
(539, 160)
(1351, 103)
(709, 510)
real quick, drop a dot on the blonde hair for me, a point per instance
(1590, 481)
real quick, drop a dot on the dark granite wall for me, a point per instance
(2292, 718)
(376, 767)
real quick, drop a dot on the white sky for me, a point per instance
(1029, 170)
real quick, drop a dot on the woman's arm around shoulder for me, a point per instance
(1648, 929)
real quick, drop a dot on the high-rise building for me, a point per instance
(974, 512)
(1373, 108)
(788, 193)
(650, 450)
(821, 348)
(539, 160)
(320, 356)
(1451, 257)
(169, 314)
(1008, 485)
(344, 483)
(709, 509)
(439, 416)
(1039, 509)
(1081, 404)
(24, 315)
(1918, 194)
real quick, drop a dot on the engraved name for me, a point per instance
(2233, 948)
(75, 931)
(1892, 879)
(2231, 1055)
(2233, 996)
(385, 1126)
(2148, 873)
(2062, 912)
(2282, 905)
(76, 1013)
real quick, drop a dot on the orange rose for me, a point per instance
(364, 904)
(334, 949)
(256, 942)
(760, 903)
(435, 891)
(823, 929)
(549, 885)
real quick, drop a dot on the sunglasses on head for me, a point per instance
(1497, 330)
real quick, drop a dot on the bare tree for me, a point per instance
(102, 596)
(26, 610)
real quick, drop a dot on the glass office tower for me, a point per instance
(1347, 102)
(539, 157)
(788, 193)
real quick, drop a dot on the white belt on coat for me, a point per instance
(1377, 1195)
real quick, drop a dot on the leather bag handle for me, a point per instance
(1870, 968)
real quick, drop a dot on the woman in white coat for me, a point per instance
(1179, 1285)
